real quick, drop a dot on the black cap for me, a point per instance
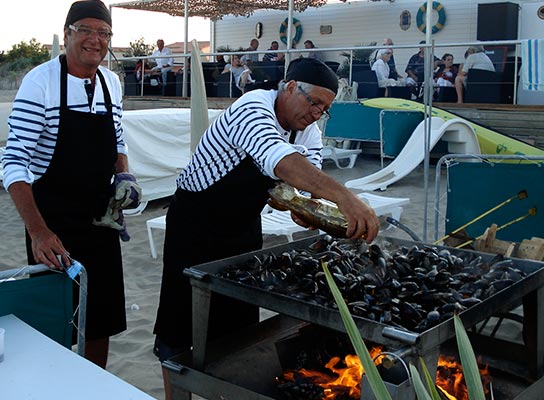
(313, 71)
(88, 9)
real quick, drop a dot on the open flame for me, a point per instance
(450, 379)
(346, 377)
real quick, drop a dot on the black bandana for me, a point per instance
(88, 9)
(312, 71)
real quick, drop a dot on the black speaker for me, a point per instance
(498, 21)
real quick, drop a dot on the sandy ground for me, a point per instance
(131, 357)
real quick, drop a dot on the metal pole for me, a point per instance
(185, 47)
(427, 98)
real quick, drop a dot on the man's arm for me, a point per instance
(45, 244)
(298, 172)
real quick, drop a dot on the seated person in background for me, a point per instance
(476, 59)
(382, 69)
(241, 73)
(138, 70)
(415, 70)
(273, 55)
(447, 72)
(393, 74)
(164, 65)
(249, 58)
(308, 44)
(220, 61)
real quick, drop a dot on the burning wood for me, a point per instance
(342, 380)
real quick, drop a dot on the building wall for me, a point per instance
(357, 23)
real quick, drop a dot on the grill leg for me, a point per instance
(201, 316)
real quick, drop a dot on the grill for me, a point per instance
(244, 366)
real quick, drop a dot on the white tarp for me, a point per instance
(159, 143)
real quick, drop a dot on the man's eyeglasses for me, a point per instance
(314, 108)
(88, 32)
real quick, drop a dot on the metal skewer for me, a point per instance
(532, 211)
(521, 195)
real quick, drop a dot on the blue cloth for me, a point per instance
(532, 69)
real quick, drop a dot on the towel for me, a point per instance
(532, 69)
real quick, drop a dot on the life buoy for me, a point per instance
(283, 30)
(420, 20)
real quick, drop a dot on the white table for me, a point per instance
(159, 146)
(36, 367)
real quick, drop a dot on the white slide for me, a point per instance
(458, 133)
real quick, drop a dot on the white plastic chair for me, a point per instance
(280, 222)
(155, 223)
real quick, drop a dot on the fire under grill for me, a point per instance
(246, 365)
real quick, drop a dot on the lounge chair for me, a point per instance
(276, 222)
(280, 223)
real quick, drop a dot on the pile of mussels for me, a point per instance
(413, 288)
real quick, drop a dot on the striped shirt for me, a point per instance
(249, 127)
(34, 119)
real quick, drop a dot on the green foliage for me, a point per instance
(374, 379)
(139, 48)
(34, 51)
(22, 58)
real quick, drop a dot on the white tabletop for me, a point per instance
(36, 367)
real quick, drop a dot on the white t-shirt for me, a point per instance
(478, 61)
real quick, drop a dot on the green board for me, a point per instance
(489, 185)
(491, 142)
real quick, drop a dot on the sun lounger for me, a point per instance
(280, 222)
(276, 222)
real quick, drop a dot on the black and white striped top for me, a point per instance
(34, 120)
(249, 127)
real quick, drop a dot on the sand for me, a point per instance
(131, 356)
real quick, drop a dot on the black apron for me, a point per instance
(75, 189)
(221, 221)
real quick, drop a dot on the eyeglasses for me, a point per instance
(88, 32)
(314, 108)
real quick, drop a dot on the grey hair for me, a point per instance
(307, 87)
(477, 49)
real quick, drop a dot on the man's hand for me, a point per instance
(362, 220)
(45, 248)
(127, 191)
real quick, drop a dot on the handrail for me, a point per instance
(432, 46)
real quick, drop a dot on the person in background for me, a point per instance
(273, 54)
(308, 44)
(415, 70)
(393, 74)
(138, 70)
(240, 72)
(445, 76)
(476, 59)
(263, 137)
(65, 147)
(251, 57)
(381, 67)
(164, 64)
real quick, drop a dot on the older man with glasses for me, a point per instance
(64, 149)
(264, 137)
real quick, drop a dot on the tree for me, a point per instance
(138, 48)
(25, 55)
